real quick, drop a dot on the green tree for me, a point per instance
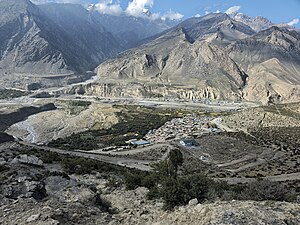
(174, 161)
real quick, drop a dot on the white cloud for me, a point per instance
(39, 1)
(218, 11)
(139, 7)
(104, 6)
(197, 15)
(155, 16)
(108, 7)
(207, 12)
(172, 16)
(56, 1)
(233, 9)
(294, 22)
(136, 8)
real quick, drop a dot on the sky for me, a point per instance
(278, 11)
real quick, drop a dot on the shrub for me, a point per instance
(175, 160)
(50, 157)
(172, 193)
(10, 93)
(80, 103)
(114, 182)
(133, 180)
(103, 203)
(86, 166)
(266, 190)
(181, 190)
(75, 141)
(3, 168)
(154, 193)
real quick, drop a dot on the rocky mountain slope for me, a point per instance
(187, 61)
(213, 57)
(216, 26)
(271, 59)
(44, 40)
(257, 23)
(90, 42)
(209, 72)
(130, 30)
(218, 56)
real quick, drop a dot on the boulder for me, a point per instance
(29, 160)
(42, 94)
(33, 218)
(80, 90)
(193, 202)
(25, 189)
(35, 189)
(2, 161)
(55, 184)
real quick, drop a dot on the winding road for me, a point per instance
(143, 165)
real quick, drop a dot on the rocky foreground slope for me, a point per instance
(27, 211)
(46, 190)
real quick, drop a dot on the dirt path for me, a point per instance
(131, 151)
(218, 122)
(285, 177)
(237, 161)
(143, 165)
(282, 177)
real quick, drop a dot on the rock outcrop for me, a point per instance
(271, 58)
(29, 160)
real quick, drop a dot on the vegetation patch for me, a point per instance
(10, 93)
(76, 107)
(134, 123)
(175, 190)
(290, 110)
(3, 168)
(76, 165)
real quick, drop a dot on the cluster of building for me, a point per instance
(181, 128)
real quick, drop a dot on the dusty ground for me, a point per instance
(271, 116)
(64, 121)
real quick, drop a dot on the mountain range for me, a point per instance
(130, 30)
(62, 38)
(212, 57)
(44, 39)
(217, 56)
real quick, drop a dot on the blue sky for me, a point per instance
(277, 11)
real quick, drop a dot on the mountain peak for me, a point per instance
(257, 24)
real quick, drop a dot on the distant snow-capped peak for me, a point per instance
(257, 23)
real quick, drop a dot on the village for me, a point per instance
(179, 131)
(182, 128)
